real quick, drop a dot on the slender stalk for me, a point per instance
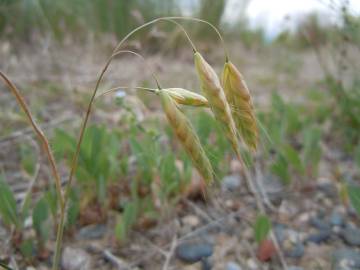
(40, 134)
(115, 89)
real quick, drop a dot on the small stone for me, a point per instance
(233, 266)
(91, 232)
(279, 231)
(346, 259)
(231, 182)
(319, 224)
(351, 236)
(295, 268)
(252, 265)
(205, 264)
(297, 251)
(191, 220)
(193, 252)
(336, 219)
(319, 237)
(75, 259)
(287, 209)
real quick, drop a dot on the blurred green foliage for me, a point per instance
(21, 18)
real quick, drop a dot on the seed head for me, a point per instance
(186, 97)
(213, 91)
(238, 96)
(186, 135)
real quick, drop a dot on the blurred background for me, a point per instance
(301, 61)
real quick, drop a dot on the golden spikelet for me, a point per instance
(186, 97)
(239, 98)
(187, 136)
(212, 89)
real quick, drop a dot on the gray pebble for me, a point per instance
(319, 237)
(345, 259)
(336, 219)
(231, 182)
(297, 251)
(193, 252)
(233, 266)
(91, 232)
(319, 224)
(351, 236)
(75, 259)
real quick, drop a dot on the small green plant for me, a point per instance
(294, 140)
(262, 228)
(354, 196)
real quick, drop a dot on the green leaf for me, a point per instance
(293, 157)
(261, 228)
(354, 195)
(8, 205)
(74, 209)
(27, 248)
(28, 160)
(40, 216)
(281, 168)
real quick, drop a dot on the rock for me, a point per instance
(279, 231)
(75, 259)
(205, 264)
(297, 251)
(273, 186)
(233, 266)
(319, 237)
(336, 219)
(344, 259)
(287, 210)
(251, 264)
(91, 232)
(351, 236)
(193, 252)
(319, 224)
(266, 250)
(191, 220)
(231, 182)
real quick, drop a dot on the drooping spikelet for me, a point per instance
(186, 97)
(187, 136)
(212, 89)
(238, 96)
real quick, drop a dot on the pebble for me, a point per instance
(252, 265)
(346, 259)
(295, 268)
(193, 252)
(297, 251)
(279, 231)
(205, 264)
(319, 237)
(351, 236)
(319, 224)
(191, 220)
(233, 266)
(92, 232)
(336, 219)
(231, 182)
(75, 259)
